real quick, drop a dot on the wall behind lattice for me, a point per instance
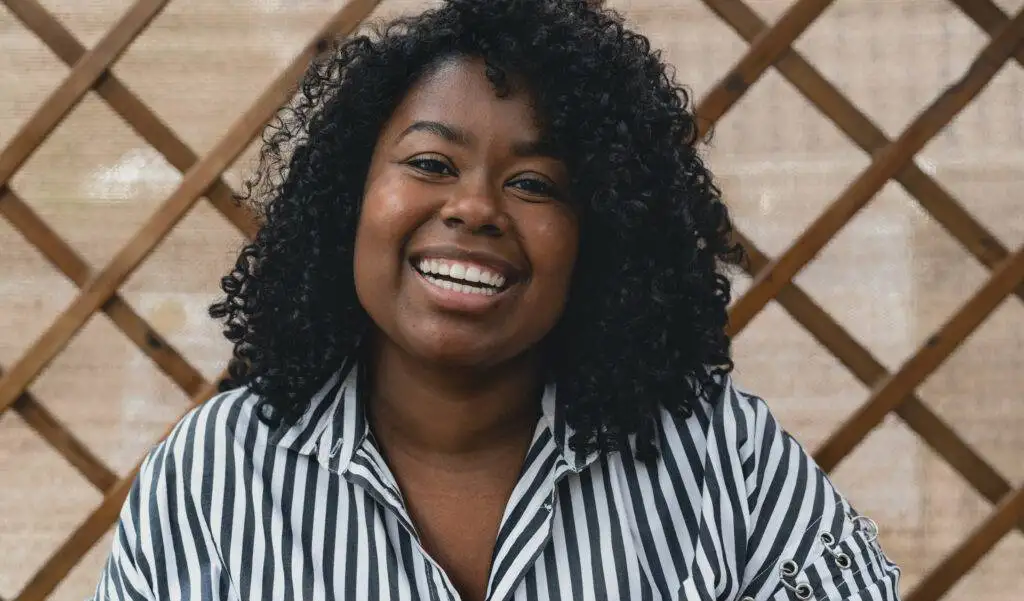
(897, 217)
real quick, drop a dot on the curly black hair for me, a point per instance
(644, 327)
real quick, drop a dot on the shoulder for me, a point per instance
(731, 422)
(213, 429)
(174, 493)
(228, 416)
(798, 530)
(733, 441)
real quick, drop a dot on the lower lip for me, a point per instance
(465, 302)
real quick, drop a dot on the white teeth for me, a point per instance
(463, 288)
(462, 271)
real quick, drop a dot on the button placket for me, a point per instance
(536, 539)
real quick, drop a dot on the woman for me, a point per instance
(480, 350)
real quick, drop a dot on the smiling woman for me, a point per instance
(480, 349)
(458, 179)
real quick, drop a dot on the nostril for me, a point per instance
(489, 229)
(484, 229)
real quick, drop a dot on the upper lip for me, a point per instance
(486, 259)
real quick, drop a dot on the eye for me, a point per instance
(430, 165)
(534, 186)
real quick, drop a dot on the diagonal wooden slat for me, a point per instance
(763, 51)
(64, 258)
(71, 91)
(134, 112)
(57, 435)
(989, 18)
(812, 317)
(83, 538)
(948, 445)
(949, 213)
(819, 324)
(148, 340)
(935, 432)
(981, 540)
(886, 163)
(194, 184)
(890, 392)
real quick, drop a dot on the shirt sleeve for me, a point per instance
(804, 540)
(125, 575)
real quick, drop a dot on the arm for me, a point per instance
(804, 540)
(125, 575)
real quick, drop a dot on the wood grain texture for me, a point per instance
(989, 17)
(764, 50)
(885, 164)
(64, 442)
(967, 554)
(89, 532)
(64, 258)
(911, 409)
(866, 134)
(135, 113)
(83, 77)
(197, 180)
(888, 393)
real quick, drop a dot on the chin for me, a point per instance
(454, 353)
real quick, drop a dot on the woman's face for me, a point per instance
(466, 241)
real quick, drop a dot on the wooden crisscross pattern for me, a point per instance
(772, 277)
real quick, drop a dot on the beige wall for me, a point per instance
(891, 277)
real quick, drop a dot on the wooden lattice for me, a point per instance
(772, 277)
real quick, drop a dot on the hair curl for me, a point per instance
(644, 327)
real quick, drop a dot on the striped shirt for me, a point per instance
(734, 509)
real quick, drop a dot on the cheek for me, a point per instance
(392, 209)
(387, 213)
(553, 244)
(384, 221)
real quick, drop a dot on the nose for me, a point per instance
(477, 210)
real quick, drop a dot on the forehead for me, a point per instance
(458, 91)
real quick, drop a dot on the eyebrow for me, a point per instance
(448, 132)
(455, 135)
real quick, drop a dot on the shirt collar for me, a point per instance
(334, 425)
(553, 415)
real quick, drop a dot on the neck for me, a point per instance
(450, 412)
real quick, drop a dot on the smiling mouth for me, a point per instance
(461, 276)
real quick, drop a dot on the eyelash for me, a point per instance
(546, 188)
(421, 164)
(438, 167)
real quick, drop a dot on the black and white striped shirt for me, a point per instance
(226, 508)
